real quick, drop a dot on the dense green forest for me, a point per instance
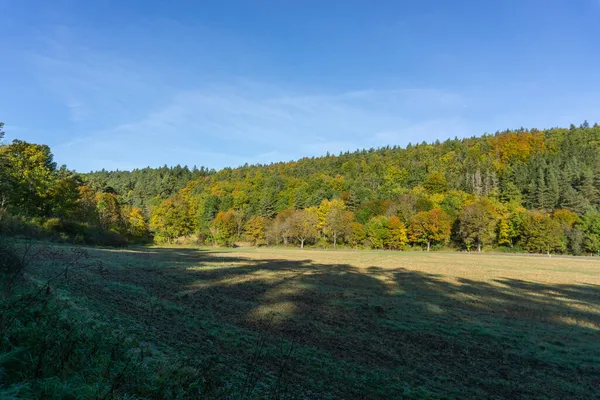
(144, 187)
(524, 190)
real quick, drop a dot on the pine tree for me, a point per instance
(267, 206)
(540, 190)
(509, 192)
(587, 188)
(572, 200)
(551, 190)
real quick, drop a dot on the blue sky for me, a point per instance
(126, 84)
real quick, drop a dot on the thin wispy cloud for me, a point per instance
(232, 123)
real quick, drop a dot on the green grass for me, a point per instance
(284, 323)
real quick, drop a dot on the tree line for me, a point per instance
(518, 190)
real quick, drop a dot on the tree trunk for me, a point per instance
(335, 241)
(428, 245)
(479, 247)
(302, 243)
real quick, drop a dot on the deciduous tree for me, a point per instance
(397, 238)
(172, 219)
(542, 234)
(378, 232)
(338, 221)
(303, 225)
(136, 223)
(255, 230)
(477, 222)
(428, 227)
(358, 234)
(224, 228)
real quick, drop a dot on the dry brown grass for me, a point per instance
(482, 267)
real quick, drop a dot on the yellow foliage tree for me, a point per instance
(255, 230)
(137, 226)
(397, 238)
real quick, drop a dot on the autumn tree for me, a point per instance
(436, 182)
(224, 228)
(428, 227)
(397, 238)
(358, 234)
(477, 222)
(240, 221)
(338, 221)
(303, 225)
(324, 209)
(109, 212)
(255, 230)
(566, 218)
(281, 229)
(136, 223)
(172, 219)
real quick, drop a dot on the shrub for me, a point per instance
(58, 230)
(53, 225)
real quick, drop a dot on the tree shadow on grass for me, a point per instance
(363, 332)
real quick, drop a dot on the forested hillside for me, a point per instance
(531, 190)
(536, 190)
(144, 187)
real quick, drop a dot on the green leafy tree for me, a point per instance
(510, 227)
(378, 232)
(542, 234)
(477, 222)
(172, 219)
(591, 232)
(35, 186)
(575, 240)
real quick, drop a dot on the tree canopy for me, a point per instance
(512, 189)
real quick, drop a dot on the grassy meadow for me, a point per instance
(316, 324)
